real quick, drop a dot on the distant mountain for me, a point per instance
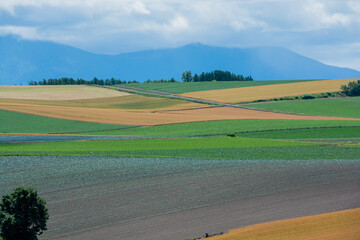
(23, 60)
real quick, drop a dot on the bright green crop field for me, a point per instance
(14, 122)
(209, 148)
(145, 144)
(205, 148)
(227, 126)
(340, 107)
(332, 133)
(184, 87)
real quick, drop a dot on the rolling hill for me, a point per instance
(24, 60)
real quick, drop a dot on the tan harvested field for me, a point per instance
(149, 118)
(248, 94)
(344, 225)
(68, 92)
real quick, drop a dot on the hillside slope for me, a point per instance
(23, 60)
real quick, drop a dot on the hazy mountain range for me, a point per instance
(24, 60)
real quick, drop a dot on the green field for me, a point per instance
(254, 153)
(184, 87)
(13, 122)
(209, 148)
(341, 107)
(144, 144)
(331, 133)
(227, 126)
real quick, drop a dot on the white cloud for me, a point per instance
(138, 7)
(319, 12)
(24, 32)
(123, 25)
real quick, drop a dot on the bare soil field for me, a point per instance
(248, 94)
(150, 118)
(336, 225)
(177, 198)
(66, 92)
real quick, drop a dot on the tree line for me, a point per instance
(216, 75)
(95, 81)
(187, 76)
(79, 81)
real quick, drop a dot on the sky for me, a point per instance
(326, 30)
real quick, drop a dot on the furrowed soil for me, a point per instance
(68, 92)
(337, 225)
(149, 118)
(248, 94)
(177, 198)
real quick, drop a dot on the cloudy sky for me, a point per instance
(326, 30)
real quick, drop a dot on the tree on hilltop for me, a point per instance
(186, 76)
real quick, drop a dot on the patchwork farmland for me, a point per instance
(248, 94)
(118, 165)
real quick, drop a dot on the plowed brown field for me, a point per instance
(148, 118)
(68, 92)
(248, 94)
(337, 225)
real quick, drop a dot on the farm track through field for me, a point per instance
(198, 100)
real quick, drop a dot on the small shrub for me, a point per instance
(230, 135)
(307, 96)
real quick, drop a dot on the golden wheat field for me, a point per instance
(248, 94)
(342, 225)
(149, 118)
(60, 92)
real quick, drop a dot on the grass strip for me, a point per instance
(339, 107)
(223, 127)
(331, 133)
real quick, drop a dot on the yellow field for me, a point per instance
(147, 118)
(68, 92)
(248, 94)
(344, 225)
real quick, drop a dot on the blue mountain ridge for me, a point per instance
(24, 60)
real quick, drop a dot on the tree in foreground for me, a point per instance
(23, 215)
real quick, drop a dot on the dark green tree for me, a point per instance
(186, 76)
(23, 215)
(352, 89)
(196, 78)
